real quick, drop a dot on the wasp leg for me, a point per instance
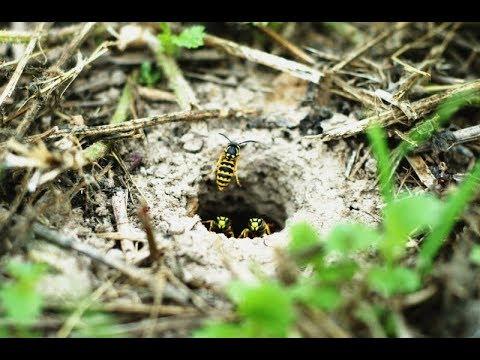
(244, 233)
(210, 224)
(229, 232)
(236, 174)
(267, 229)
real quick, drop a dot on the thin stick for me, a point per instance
(185, 96)
(73, 319)
(286, 44)
(145, 219)
(389, 117)
(136, 124)
(101, 148)
(72, 46)
(360, 163)
(68, 51)
(276, 62)
(69, 243)
(468, 134)
(422, 170)
(144, 309)
(372, 42)
(433, 55)
(414, 44)
(52, 36)
(7, 92)
(155, 94)
(119, 206)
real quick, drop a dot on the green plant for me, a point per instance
(149, 75)
(20, 302)
(170, 43)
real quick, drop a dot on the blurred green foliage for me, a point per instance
(20, 302)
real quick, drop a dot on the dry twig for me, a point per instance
(421, 107)
(276, 62)
(7, 92)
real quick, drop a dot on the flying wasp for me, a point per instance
(226, 166)
(257, 227)
(221, 224)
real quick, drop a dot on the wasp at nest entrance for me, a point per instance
(239, 213)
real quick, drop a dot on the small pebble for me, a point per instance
(114, 254)
(192, 144)
(176, 229)
(118, 78)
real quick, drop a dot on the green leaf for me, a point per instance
(389, 281)
(267, 306)
(21, 302)
(323, 297)
(405, 215)
(3, 332)
(349, 238)
(337, 272)
(303, 236)
(165, 40)
(19, 298)
(26, 272)
(408, 213)
(457, 101)
(475, 255)
(236, 290)
(191, 37)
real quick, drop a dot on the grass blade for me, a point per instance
(455, 205)
(380, 149)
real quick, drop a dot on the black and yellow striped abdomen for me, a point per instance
(225, 171)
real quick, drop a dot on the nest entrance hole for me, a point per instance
(240, 204)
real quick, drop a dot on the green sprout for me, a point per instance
(189, 38)
(149, 76)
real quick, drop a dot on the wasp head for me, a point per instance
(232, 150)
(223, 222)
(255, 224)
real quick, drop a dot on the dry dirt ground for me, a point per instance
(283, 177)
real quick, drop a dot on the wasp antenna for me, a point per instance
(226, 137)
(244, 142)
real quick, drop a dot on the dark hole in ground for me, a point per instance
(239, 205)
